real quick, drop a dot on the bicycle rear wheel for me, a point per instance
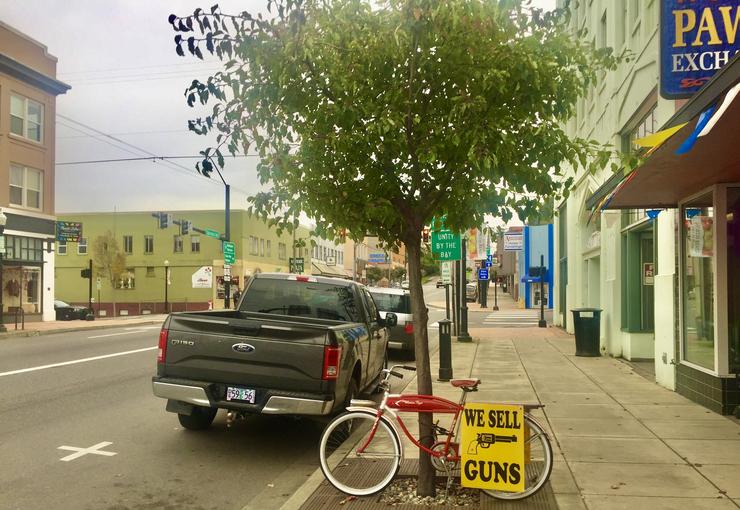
(537, 464)
(354, 472)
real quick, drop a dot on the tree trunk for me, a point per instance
(425, 485)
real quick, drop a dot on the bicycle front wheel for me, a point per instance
(537, 462)
(359, 454)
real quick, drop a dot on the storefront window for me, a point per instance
(733, 278)
(698, 281)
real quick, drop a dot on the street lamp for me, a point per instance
(3, 221)
(166, 285)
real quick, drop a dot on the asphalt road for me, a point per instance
(63, 393)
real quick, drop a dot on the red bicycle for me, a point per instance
(361, 450)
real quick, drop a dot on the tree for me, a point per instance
(374, 274)
(398, 273)
(109, 261)
(377, 115)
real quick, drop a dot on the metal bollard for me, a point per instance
(445, 350)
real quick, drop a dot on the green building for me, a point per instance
(168, 268)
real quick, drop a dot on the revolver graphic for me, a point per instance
(485, 440)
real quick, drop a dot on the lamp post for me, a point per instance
(3, 221)
(166, 285)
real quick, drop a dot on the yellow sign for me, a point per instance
(492, 447)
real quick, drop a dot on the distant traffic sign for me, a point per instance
(483, 274)
(229, 252)
(446, 244)
(296, 265)
(446, 271)
(212, 233)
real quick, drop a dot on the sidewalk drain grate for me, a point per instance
(327, 496)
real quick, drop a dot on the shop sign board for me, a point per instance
(648, 273)
(203, 278)
(69, 231)
(331, 260)
(378, 257)
(513, 241)
(492, 447)
(229, 252)
(446, 245)
(697, 39)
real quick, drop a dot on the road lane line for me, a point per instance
(74, 362)
(115, 334)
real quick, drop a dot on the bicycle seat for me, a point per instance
(466, 384)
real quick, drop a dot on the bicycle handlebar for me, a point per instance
(392, 370)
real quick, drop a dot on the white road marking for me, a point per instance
(115, 334)
(74, 362)
(129, 331)
(95, 449)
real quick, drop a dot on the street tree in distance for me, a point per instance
(378, 115)
(109, 261)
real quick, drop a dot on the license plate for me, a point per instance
(241, 394)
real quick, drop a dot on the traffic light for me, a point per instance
(425, 235)
(86, 273)
(164, 220)
(185, 227)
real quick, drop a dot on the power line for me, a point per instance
(151, 158)
(173, 166)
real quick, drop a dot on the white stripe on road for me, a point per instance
(74, 362)
(129, 331)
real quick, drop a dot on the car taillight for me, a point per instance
(162, 352)
(332, 355)
(408, 328)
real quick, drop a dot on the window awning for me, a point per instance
(666, 177)
(321, 269)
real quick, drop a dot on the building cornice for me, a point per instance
(34, 78)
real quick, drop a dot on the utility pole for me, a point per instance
(542, 323)
(464, 336)
(89, 285)
(227, 236)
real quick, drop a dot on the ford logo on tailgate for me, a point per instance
(243, 347)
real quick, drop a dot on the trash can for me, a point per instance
(586, 322)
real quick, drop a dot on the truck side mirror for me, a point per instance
(391, 319)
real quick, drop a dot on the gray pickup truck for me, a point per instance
(296, 345)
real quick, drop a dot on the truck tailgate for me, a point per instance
(256, 353)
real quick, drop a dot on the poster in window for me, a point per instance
(700, 236)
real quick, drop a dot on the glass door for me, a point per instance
(698, 292)
(733, 279)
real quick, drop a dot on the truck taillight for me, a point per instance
(408, 328)
(332, 356)
(162, 352)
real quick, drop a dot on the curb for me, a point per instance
(43, 332)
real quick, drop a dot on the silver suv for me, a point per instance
(397, 301)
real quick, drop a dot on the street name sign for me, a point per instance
(229, 252)
(212, 233)
(446, 245)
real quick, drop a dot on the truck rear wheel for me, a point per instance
(200, 419)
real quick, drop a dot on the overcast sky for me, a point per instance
(127, 82)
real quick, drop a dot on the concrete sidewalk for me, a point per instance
(620, 440)
(52, 327)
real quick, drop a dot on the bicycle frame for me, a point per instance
(392, 404)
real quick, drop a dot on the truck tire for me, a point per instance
(200, 419)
